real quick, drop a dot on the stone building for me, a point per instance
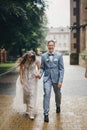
(78, 34)
(61, 36)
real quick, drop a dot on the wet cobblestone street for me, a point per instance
(73, 114)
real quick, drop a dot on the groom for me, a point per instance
(53, 68)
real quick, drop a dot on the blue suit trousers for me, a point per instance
(47, 86)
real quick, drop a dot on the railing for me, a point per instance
(9, 70)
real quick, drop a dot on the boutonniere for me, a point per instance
(47, 59)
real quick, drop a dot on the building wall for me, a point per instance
(78, 20)
(73, 22)
(83, 32)
(61, 36)
(83, 21)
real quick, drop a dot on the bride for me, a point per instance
(26, 85)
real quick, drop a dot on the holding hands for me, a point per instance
(37, 75)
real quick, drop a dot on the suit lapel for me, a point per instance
(54, 56)
(47, 55)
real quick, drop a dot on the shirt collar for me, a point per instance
(51, 53)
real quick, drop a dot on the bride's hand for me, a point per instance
(37, 75)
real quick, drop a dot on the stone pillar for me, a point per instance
(86, 66)
(4, 56)
(86, 38)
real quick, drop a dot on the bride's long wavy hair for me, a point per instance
(25, 56)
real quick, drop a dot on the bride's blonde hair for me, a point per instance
(25, 56)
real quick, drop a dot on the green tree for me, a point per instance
(21, 23)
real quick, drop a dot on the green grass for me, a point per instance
(5, 66)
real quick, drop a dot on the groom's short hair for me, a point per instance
(50, 41)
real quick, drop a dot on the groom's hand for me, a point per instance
(59, 85)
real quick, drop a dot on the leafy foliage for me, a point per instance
(21, 23)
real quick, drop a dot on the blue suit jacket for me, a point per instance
(54, 69)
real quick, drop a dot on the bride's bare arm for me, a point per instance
(38, 66)
(21, 74)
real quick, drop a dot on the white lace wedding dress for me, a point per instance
(18, 104)
(30, 86)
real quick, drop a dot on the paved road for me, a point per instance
(7, 83)
(73, 114)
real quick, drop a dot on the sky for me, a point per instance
(58, 13)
